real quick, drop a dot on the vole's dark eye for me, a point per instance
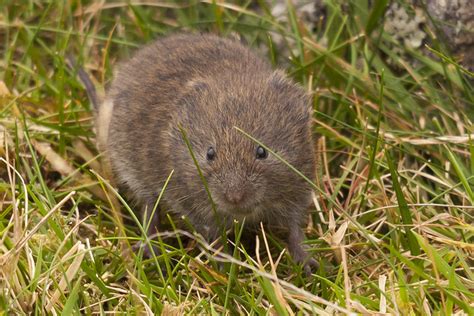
(261, 153)
(211, 154)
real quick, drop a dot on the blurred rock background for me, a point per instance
(409, 22)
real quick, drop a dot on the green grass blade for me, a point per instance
(403, 208)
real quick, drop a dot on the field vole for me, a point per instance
(208, 85)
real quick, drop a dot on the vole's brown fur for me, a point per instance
(207, 85)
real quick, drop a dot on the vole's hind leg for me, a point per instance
(150, 222)
(297, 250)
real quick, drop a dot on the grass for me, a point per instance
(392, 222)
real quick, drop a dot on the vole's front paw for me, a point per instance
(309, 265)
(302, 257)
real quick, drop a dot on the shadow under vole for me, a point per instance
(208, 85)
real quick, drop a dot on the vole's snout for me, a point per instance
(236, 192)
(235, 195)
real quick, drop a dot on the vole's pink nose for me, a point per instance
(235, 196)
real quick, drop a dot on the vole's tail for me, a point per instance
(86, 81)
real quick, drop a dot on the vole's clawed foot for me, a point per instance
(309, 266)
(303, 258)
(297, 251)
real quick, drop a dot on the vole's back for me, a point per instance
(163, 67)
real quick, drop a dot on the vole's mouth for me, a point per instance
(240, 211)
(247, 207)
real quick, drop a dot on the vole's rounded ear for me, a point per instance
(195, 90)
(278, 79)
